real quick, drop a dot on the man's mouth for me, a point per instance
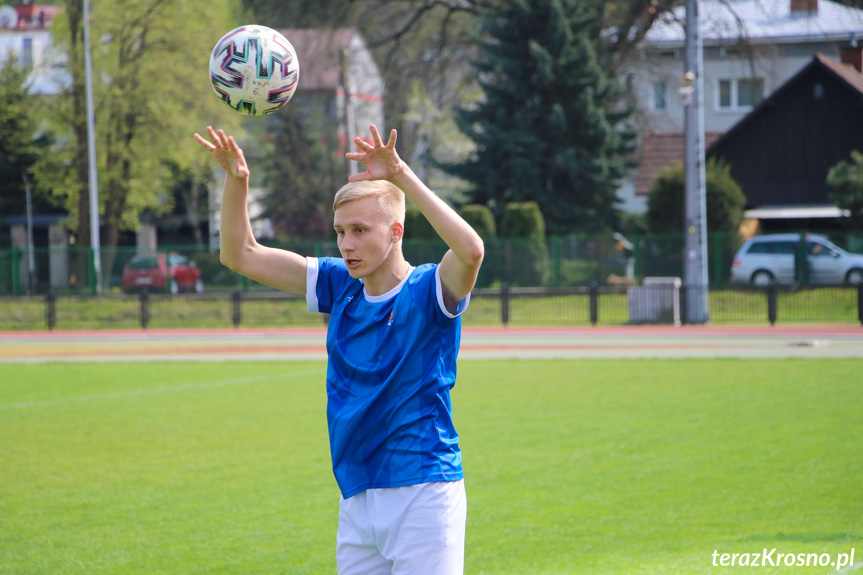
(352, 263)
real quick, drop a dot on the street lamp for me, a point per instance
(95, 243)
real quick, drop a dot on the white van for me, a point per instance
(768, 259)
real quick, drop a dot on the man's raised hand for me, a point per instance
(226, 151)
(381, 161)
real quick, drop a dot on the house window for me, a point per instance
(739, 95)
(724, 94)
(818, 91)
(659, 93)
(27, 53)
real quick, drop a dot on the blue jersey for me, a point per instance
(392, 363)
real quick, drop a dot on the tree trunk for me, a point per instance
(74, 12)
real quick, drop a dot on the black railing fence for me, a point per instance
(505, 305)
(572, 280)
(555, 262)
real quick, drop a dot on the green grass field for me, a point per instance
(609, 467)
(736, 307)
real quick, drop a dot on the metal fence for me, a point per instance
(555, 262)
(570, 306)
(572, 280)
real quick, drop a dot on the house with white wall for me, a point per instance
(25, 31)
(750, 48)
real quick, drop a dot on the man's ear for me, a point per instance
(398, 231)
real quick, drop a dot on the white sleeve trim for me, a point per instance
(462, 305)
(312, 283)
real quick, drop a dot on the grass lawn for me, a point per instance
(591, 466)
(267, 309)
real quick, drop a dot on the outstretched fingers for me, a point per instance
(221, 138)
(379, 143)
(363, 145)
(391, 143)
(204, 142)
(376, 137)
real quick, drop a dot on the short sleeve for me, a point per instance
(462, 305)
(325, 279)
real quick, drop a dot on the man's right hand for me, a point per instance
(226, 151)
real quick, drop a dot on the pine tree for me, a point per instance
(21, 141)
(548, 129)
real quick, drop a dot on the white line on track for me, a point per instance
(157, 390)
(849, 569)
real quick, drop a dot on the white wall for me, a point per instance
(48, 75)
(774, 63)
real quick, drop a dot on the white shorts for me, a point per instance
(416, 530)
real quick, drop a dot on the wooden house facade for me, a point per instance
(781, 152)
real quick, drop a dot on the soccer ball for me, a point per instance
(254, 70)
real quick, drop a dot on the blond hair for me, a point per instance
(390, 198)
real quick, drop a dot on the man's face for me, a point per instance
(364, 235)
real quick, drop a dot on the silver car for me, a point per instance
(768, 259)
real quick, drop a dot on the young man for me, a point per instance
(392, 342)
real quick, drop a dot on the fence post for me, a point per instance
(555, 261)
(683, 294)
(145, 309)
(16, 271)
(771, 303)
(91, 271)
(860, 302)
(594, 303)
(236, 308)
(51, 310)
(717, 257)
(504, 303)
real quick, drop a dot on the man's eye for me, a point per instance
(360, 230)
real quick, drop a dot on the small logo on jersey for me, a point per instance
(392, 313)
(350, 297)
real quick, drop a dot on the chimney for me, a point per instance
(804, 6)
(852, 55)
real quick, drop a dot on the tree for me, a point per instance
(725, 200)
(424, 48)
(725, 204)
(65, 173)
(151, 95)
(302, 170)
(846, 178)
(22, 140)
(549, 127)
(303, 13)
(526, 254)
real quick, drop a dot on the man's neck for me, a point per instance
(387, 276)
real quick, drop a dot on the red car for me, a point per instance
(153, 271)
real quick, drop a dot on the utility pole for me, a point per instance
(695, 255)
(95, 242)
(350, 110)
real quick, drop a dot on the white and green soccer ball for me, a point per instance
(254, 70)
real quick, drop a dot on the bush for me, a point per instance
(480, 219)
(417, 227)
(846, 178)
(522, 220)
(526, 261)
(725, 203)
